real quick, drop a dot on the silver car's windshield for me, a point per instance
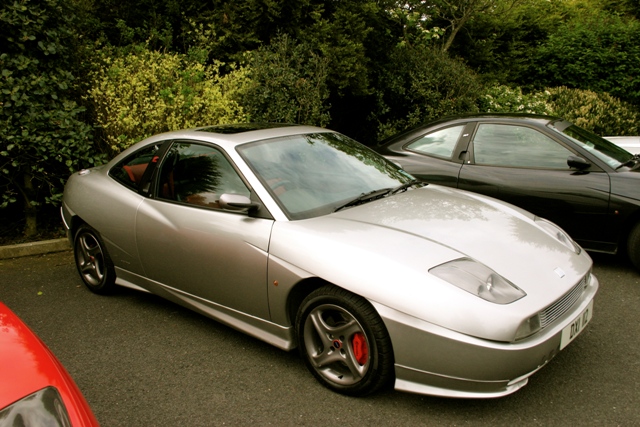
(605, 150)
(313, 174)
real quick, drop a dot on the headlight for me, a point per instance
(558, 233)
(479, 280)
(42, 408)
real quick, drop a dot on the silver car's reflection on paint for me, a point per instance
(304, 238)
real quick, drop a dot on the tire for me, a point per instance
(633, 246)
(344, 342)
(93, 262)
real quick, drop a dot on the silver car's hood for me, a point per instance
(383, 251)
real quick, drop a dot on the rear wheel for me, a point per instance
(344, 342)
(633, 245)
(93, 262)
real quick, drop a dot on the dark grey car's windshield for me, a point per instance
(313, 174)
(605, 150)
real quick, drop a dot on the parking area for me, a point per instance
(141, 360)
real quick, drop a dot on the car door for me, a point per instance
(192, 247)
(526, 167)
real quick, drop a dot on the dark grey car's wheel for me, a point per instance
(633, 245)
(344, 342)
(93, 262)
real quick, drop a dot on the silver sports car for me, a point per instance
(302, 237)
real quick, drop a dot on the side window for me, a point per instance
(198, 175)
(517, 146)
(129, 172)
(440, 143)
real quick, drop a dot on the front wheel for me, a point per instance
(633, 245)
(93, 262)
(344, 342)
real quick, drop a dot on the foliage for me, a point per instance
(122, 23)
(287, 84)
(454, 15)
(504, 99)
(356, 37)
(420, 85)
(599, 53)
(415, 20)
(601, 113)
(138, 94)
(367, 68)
(626, 7)
(43, 137)
(500, 46)
(341, 38)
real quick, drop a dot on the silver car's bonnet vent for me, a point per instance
(557, 309)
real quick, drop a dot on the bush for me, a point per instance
(420, 85)
(599, 53)
(288, 84)
(141, 93)
(43, 135)
(601, 113)
(504, 99)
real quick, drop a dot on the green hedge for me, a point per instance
(139, 93)
(44, 135)
(601, 113)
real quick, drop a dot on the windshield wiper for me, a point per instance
(378, 194)
(406, 186)
(365, 197)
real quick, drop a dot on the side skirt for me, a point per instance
(274, 334)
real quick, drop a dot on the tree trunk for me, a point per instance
(30, 210)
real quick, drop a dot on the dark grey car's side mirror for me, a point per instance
(236, 202)
(579, 163)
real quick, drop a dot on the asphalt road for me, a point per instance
(142, 361)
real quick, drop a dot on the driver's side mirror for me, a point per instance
(579, 163)
(236, 202)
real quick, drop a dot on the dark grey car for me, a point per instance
(587, 185)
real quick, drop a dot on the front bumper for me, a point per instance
(436, 361)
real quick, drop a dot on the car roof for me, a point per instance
(233, 135)
(493, 116)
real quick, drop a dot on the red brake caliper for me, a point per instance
(360, 349)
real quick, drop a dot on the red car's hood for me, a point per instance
(27, 366)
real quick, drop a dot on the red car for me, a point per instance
(35, 389)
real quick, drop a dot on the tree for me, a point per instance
(501, 47)
(43, 137)
(448, 17)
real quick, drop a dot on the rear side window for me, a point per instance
(130, 171)
(440, 143)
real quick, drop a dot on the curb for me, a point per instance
(34, 248)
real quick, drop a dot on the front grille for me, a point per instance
(558, 308)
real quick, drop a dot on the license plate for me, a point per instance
(570, 332)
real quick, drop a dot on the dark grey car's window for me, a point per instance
(439, 143)
(198, 175)
(605, 150)
(517, 146)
